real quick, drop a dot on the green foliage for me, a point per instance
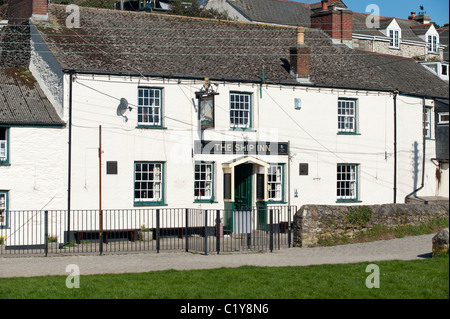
(359, 216)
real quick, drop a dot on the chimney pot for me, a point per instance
(412, 16)
(324, 4)
(300, 35)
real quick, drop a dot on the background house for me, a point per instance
(412, 37)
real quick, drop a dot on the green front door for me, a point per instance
(243, 186)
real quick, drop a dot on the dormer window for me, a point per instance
(394, 36)
(432, 43)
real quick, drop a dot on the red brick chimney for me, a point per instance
(300, 57)
(338, 24)
(324, 4)
(40, 9)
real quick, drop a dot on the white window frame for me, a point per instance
(240, 110)
(3, 208)
(150, 106)
(275, 183)
(148, 181)
(4, 146)
(432, 43)
(347, 116)
(3, 150)
(204, 181)
(347, 182)
(394, 38)
(427, 122)
(440, 115)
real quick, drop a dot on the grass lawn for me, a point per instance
(418, 279)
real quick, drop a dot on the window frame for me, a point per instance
(205, 199)
(6, 160)
(4, 223)
(345, 131)
(276, 200)
(249, 126)
(355, 182)
(432, 43)
(427, 122)
(149, 201)
(394, 38)
(144, 124)
(440, 120)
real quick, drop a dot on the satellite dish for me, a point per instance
(122, 108)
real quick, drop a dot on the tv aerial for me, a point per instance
(123, 108)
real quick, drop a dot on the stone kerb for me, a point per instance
(316, 223)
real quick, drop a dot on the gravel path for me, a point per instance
(417, 247)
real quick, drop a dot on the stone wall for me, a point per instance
(405, 50)
(314, 223)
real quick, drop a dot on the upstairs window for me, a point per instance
(346, 116)
(150, 107)
(240, 110)
(427, 123)
(432, 43)
(394, 36)
(4, 147)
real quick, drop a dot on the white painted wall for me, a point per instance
(37, 175)
(311, 131)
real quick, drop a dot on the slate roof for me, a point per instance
(113, 41)
(443, 38)
(274, 11)
(407, 27)
(286, 12)
(22, 101)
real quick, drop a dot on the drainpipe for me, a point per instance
(423, 156)
(69, 164)
(395, 146)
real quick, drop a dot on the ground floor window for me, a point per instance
(204, 181)
(3, 208)
(347, 182)
(148, 183)
(275, 182)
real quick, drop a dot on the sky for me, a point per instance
(436, 9)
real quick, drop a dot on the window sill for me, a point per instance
(276, 202)
(242, 129)
(151, 127)
(348, 201)
(205, 201)
(348, 133)
(149, 204)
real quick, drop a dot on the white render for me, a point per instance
(311, 132)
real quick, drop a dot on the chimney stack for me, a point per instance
(338, 24)
(40, 10)
(324, 5)
(300, 57)
(412, 16)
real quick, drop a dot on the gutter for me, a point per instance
(202, 78)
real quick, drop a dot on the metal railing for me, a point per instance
(111, 231)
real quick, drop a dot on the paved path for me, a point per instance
(417, 247)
